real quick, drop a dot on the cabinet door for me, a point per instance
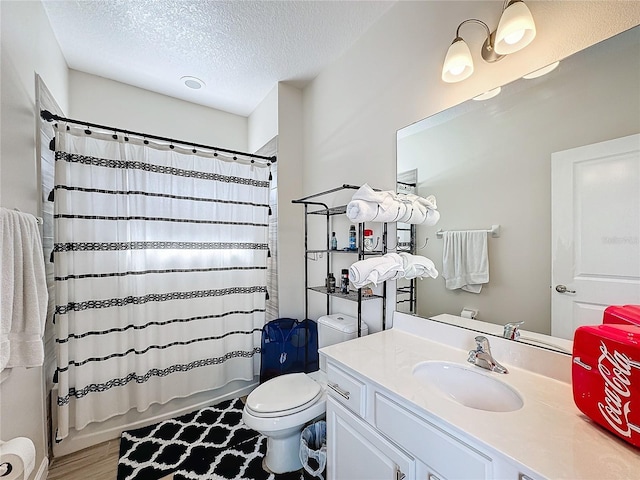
(355, 451)
(447, 456)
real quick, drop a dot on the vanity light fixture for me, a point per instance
(488, 94)
(515, 31)
(541, 71)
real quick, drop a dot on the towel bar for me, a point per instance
(39, 220)
(494, 231)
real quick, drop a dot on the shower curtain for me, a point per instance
(160, 259)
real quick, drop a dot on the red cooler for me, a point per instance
(606, 377)
(629, 314)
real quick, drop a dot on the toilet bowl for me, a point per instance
(281, 407)
(281, 418)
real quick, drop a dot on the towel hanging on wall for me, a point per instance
(465, 260)
(23, 289)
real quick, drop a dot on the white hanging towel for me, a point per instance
(465, 260)
(23, 291)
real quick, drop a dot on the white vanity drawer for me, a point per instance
(346, 389)
(443, 453)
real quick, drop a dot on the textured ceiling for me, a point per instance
(240, 49)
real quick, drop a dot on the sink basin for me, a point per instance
(468, 387)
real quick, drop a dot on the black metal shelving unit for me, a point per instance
(312, 206)
(407, 293)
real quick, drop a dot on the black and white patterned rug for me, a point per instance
(210, 444)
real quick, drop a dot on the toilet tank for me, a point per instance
(337, 327)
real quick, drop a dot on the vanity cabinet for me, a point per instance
(444, 457)
(372, 436)
(357, 451)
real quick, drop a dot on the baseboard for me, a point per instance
(43, 470)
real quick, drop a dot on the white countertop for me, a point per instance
(548, 435)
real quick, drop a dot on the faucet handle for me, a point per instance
(473, 355)
(482, 344)
(511, 330)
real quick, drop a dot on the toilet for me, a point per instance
(281, 407)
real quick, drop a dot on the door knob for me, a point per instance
(563, 289)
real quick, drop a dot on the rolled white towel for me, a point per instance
(432, 214)
(361, 211)
(419, 210)
(432, 218)
(414, 214)
(429, 201)
(376, 270)
(417, 266)
(391, 214)
(385, 199)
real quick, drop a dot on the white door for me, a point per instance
(595, 232)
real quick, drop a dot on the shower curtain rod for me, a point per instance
(50, 117)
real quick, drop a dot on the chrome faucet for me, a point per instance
(511, 330)
(482, 357)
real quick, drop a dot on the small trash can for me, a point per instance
(313, 448)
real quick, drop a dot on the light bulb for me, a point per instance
(516, 29)
(456, 69)
(458, 64)
(514, 37)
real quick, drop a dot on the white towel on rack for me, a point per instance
(421, 211)
(385, 199)
(376, 270)
(417, 266)
(23, 291)
(367, 205)
(465, 260)
(360, 211)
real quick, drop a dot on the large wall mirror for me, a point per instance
(491, 162)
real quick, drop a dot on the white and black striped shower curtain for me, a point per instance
(160, 273)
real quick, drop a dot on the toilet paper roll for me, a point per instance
(17, 459)
(468, 313)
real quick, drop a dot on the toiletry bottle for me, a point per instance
(368, 240)
(344, 281)
(334, 241)
(352, 238)
(331, 283)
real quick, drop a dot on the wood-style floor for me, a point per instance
(99, 462)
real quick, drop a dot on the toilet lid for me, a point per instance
(287, 393)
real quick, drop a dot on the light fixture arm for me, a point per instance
(507, 3)
(474, 20)
(488, 52)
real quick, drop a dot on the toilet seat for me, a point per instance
(283, 395)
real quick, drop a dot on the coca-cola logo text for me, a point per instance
(615, 369)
